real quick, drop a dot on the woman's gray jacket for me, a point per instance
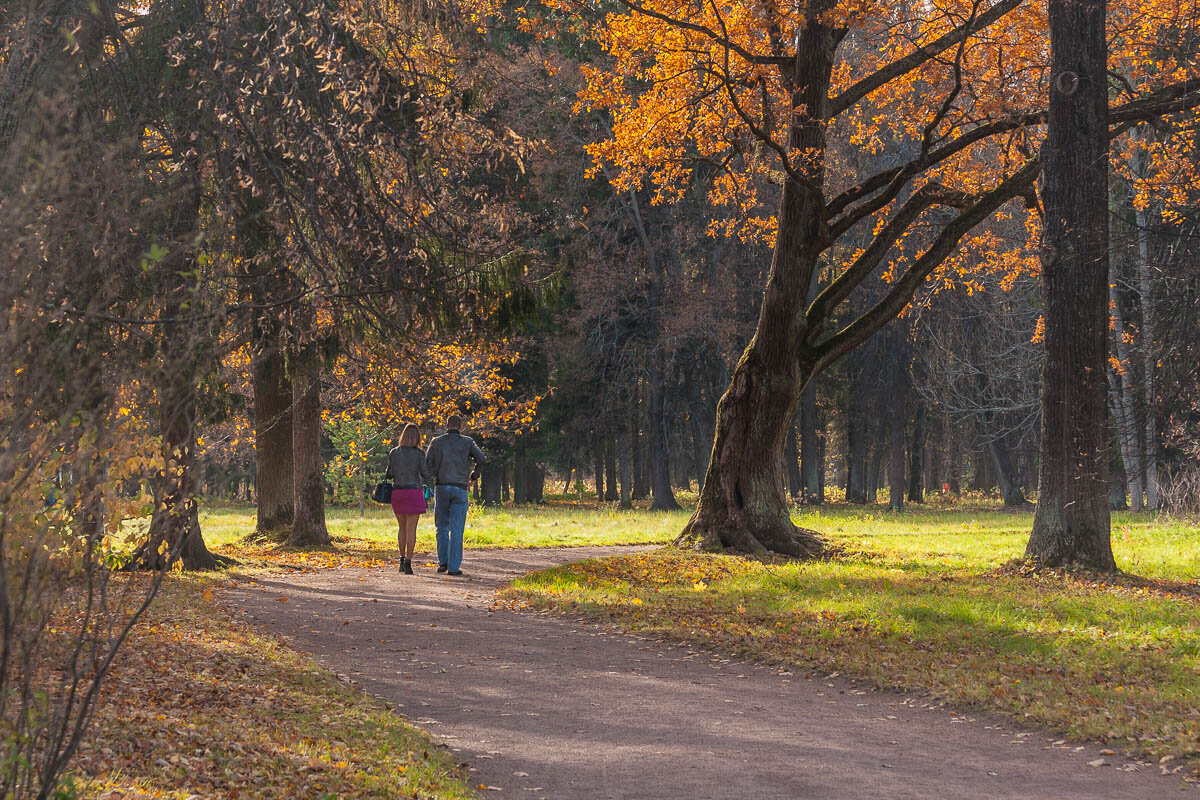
(407, 468)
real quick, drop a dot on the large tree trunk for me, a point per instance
(812, 462)
(491, 475)
(660, 457)
(274, 467)
(1071, 524)
(535, 482)
(744, 504)
(308, 525)
(176, 517)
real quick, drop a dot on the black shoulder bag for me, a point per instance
(383, 491)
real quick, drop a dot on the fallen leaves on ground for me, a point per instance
(199, 705)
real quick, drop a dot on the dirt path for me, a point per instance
(548, 707)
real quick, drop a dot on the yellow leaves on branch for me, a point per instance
(678, 95)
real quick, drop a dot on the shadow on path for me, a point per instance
(549, 707)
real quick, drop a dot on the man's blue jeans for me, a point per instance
(450, 518)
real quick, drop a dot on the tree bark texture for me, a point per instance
(308, 522)
(274, 466)
(1071, 523)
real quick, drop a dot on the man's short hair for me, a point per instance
(453, 422)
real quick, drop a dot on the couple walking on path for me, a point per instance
(446, 466)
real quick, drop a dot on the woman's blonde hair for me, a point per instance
(410, 436)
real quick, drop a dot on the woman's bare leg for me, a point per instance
(410, 528)
(401, 528)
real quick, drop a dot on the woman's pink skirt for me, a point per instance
(408, 501)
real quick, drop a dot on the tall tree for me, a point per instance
(1071, 523)
(764, 93)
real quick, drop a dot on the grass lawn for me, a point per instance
(371, 539)
(199, 705)
(922, 600)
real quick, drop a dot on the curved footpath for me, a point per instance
(544, 706)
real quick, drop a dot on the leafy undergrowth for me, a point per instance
(198, 705)
(1117, 662)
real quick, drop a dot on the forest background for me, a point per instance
(244, 242)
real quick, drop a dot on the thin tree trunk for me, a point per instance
(637, 448)
(520, 478)
(897, 417)
(701, 448)
(625, 471)
(1006, 474)
(611, 493)
(811, 461)
(598, 468)
(1122, 402)
(1116, 481)
(856, 442)
(1149, 352)
(916, 457)
(308, 525)
(1071, 524)
(953, 457)
(791, 461)
(274, 468)
(660, 458)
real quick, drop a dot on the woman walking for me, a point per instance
(409, 474)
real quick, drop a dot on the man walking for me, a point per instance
(448, 458)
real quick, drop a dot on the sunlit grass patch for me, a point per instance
(1115, 662)
(199, 705)
(370, 539)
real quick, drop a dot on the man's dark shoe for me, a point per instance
(406, 566)
(442, 567)
(455, 572)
